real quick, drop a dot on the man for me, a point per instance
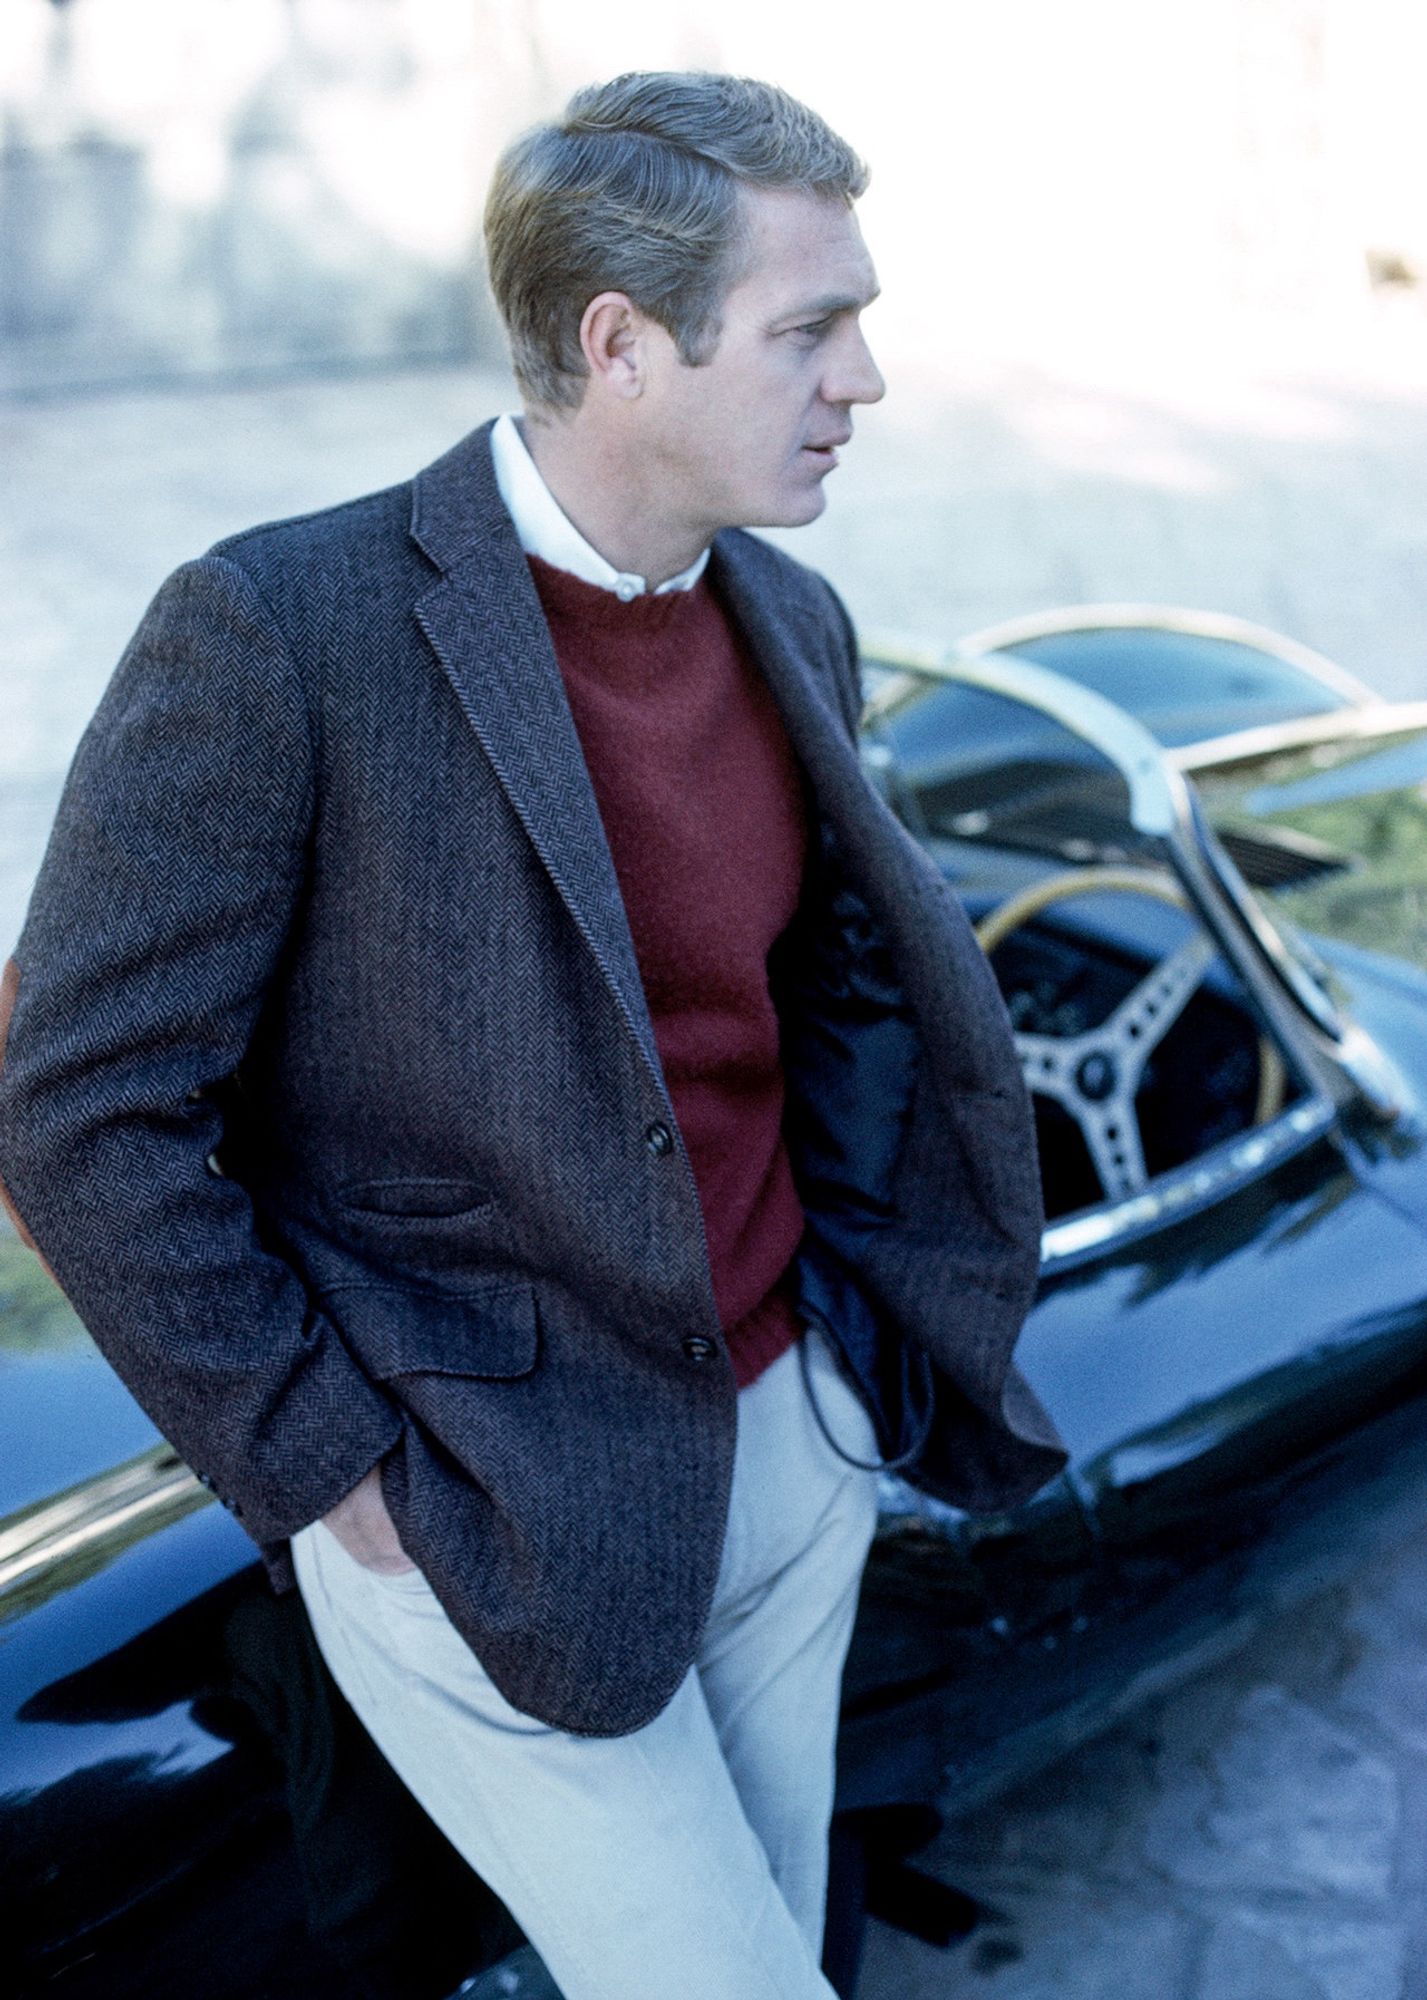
(482, 1053)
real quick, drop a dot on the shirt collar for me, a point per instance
(545, 530)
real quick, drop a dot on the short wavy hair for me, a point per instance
(635, 190)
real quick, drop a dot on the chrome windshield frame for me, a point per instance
(1343, 725)
(1012, 632)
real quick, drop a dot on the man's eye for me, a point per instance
(814, 330)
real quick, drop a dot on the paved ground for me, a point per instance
(1263, 1834)
(1260, 1835)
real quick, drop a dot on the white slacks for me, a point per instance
(687, 1861)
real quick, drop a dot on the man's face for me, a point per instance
(747, 439)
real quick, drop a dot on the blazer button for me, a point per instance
(698, 1347)
(659, 1139)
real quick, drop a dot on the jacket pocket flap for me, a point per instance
(490, 1331)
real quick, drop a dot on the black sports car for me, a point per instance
(1198, 859)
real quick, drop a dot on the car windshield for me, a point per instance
(1331, 838)
(1184, 686)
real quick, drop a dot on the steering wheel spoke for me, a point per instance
(1112, 1134)
(1142, 1020)
(1048, 1064)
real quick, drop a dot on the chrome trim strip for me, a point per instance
(1385, 718)
(110, 1508)
(1188, 1188)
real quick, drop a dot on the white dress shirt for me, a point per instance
(545, 530)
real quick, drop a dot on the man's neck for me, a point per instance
(612, 502)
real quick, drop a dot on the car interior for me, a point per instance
(1137, 1039)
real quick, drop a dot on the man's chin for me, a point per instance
(795, 510)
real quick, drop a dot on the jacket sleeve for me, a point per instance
(160, 912)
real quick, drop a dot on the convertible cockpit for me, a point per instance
(1143, 1048)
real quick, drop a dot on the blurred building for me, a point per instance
(215, 187)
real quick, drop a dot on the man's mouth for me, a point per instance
(829, 450)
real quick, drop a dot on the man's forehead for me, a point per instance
(805, 254)
(846, 299)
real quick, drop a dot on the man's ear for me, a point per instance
(612, 341)
(9, 993)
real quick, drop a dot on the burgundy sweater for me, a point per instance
(703, 809)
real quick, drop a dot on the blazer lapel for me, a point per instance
(800, 683)
(887, 869)
(484, 622)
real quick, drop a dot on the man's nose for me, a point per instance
(856, 377)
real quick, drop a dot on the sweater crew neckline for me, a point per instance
(654, 614)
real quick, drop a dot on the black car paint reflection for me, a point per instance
(1236, 1354)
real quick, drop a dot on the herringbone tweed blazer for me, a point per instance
(332, 1099)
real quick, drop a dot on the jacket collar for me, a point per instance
(456, 505)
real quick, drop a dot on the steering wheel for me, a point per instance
(1095, 1076)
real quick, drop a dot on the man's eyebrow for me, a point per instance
(829, 305)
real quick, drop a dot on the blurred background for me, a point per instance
(200, 187)
(1155, 330)
(1154, 318)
